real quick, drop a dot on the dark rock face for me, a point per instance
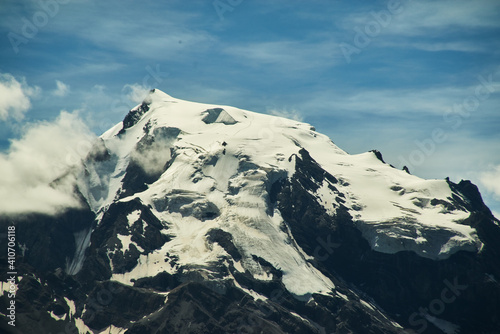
(47, 243)
(211, 116)
(206, 312)
(152, 150)
(34, 302)
(235, 312)
(99, 152)
(134, 116)
(136, 179)
(225, 240)
(119, 305)
(471, 193)
(378, 155)
(162, 282)
(145, 232)
(46, 246)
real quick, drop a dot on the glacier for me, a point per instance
(221, 163)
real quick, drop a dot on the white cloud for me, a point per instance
(61, 90)
(491, 180)
(290, 114)
(15, 97)
(99, 88)
(426, 101)
(136, 93)
(45, 152)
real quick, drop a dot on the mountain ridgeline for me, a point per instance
(199, 218)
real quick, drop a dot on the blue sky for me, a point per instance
(417, 80)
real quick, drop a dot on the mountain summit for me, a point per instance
(202, 218)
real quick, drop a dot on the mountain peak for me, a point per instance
(209, 213)
(176, 144)
(159, 93)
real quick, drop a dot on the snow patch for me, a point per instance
(133, 217)
(327, 197)
(56, 317)
(238, 266)
(367, 305)
(147, 266)
(71, 305)
(5, 287)
(344, 297)
(82, 328)
(126, 240)
(445, 326)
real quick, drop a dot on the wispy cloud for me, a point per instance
(45, 152)
(491, 181)
(159, 35)
(429, 25)
(430, 18)
(290, 114)
(289, 55)
(438, 17)
(15, 97)
(399, 102)
(136, 93)
(436, 46)
(61, 90)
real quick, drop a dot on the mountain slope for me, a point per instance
(211, 219)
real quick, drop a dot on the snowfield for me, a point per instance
(222, 162)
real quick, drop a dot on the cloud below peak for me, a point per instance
(45, 152)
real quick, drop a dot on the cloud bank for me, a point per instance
(45, 152)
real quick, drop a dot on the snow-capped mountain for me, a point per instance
(203, 218)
